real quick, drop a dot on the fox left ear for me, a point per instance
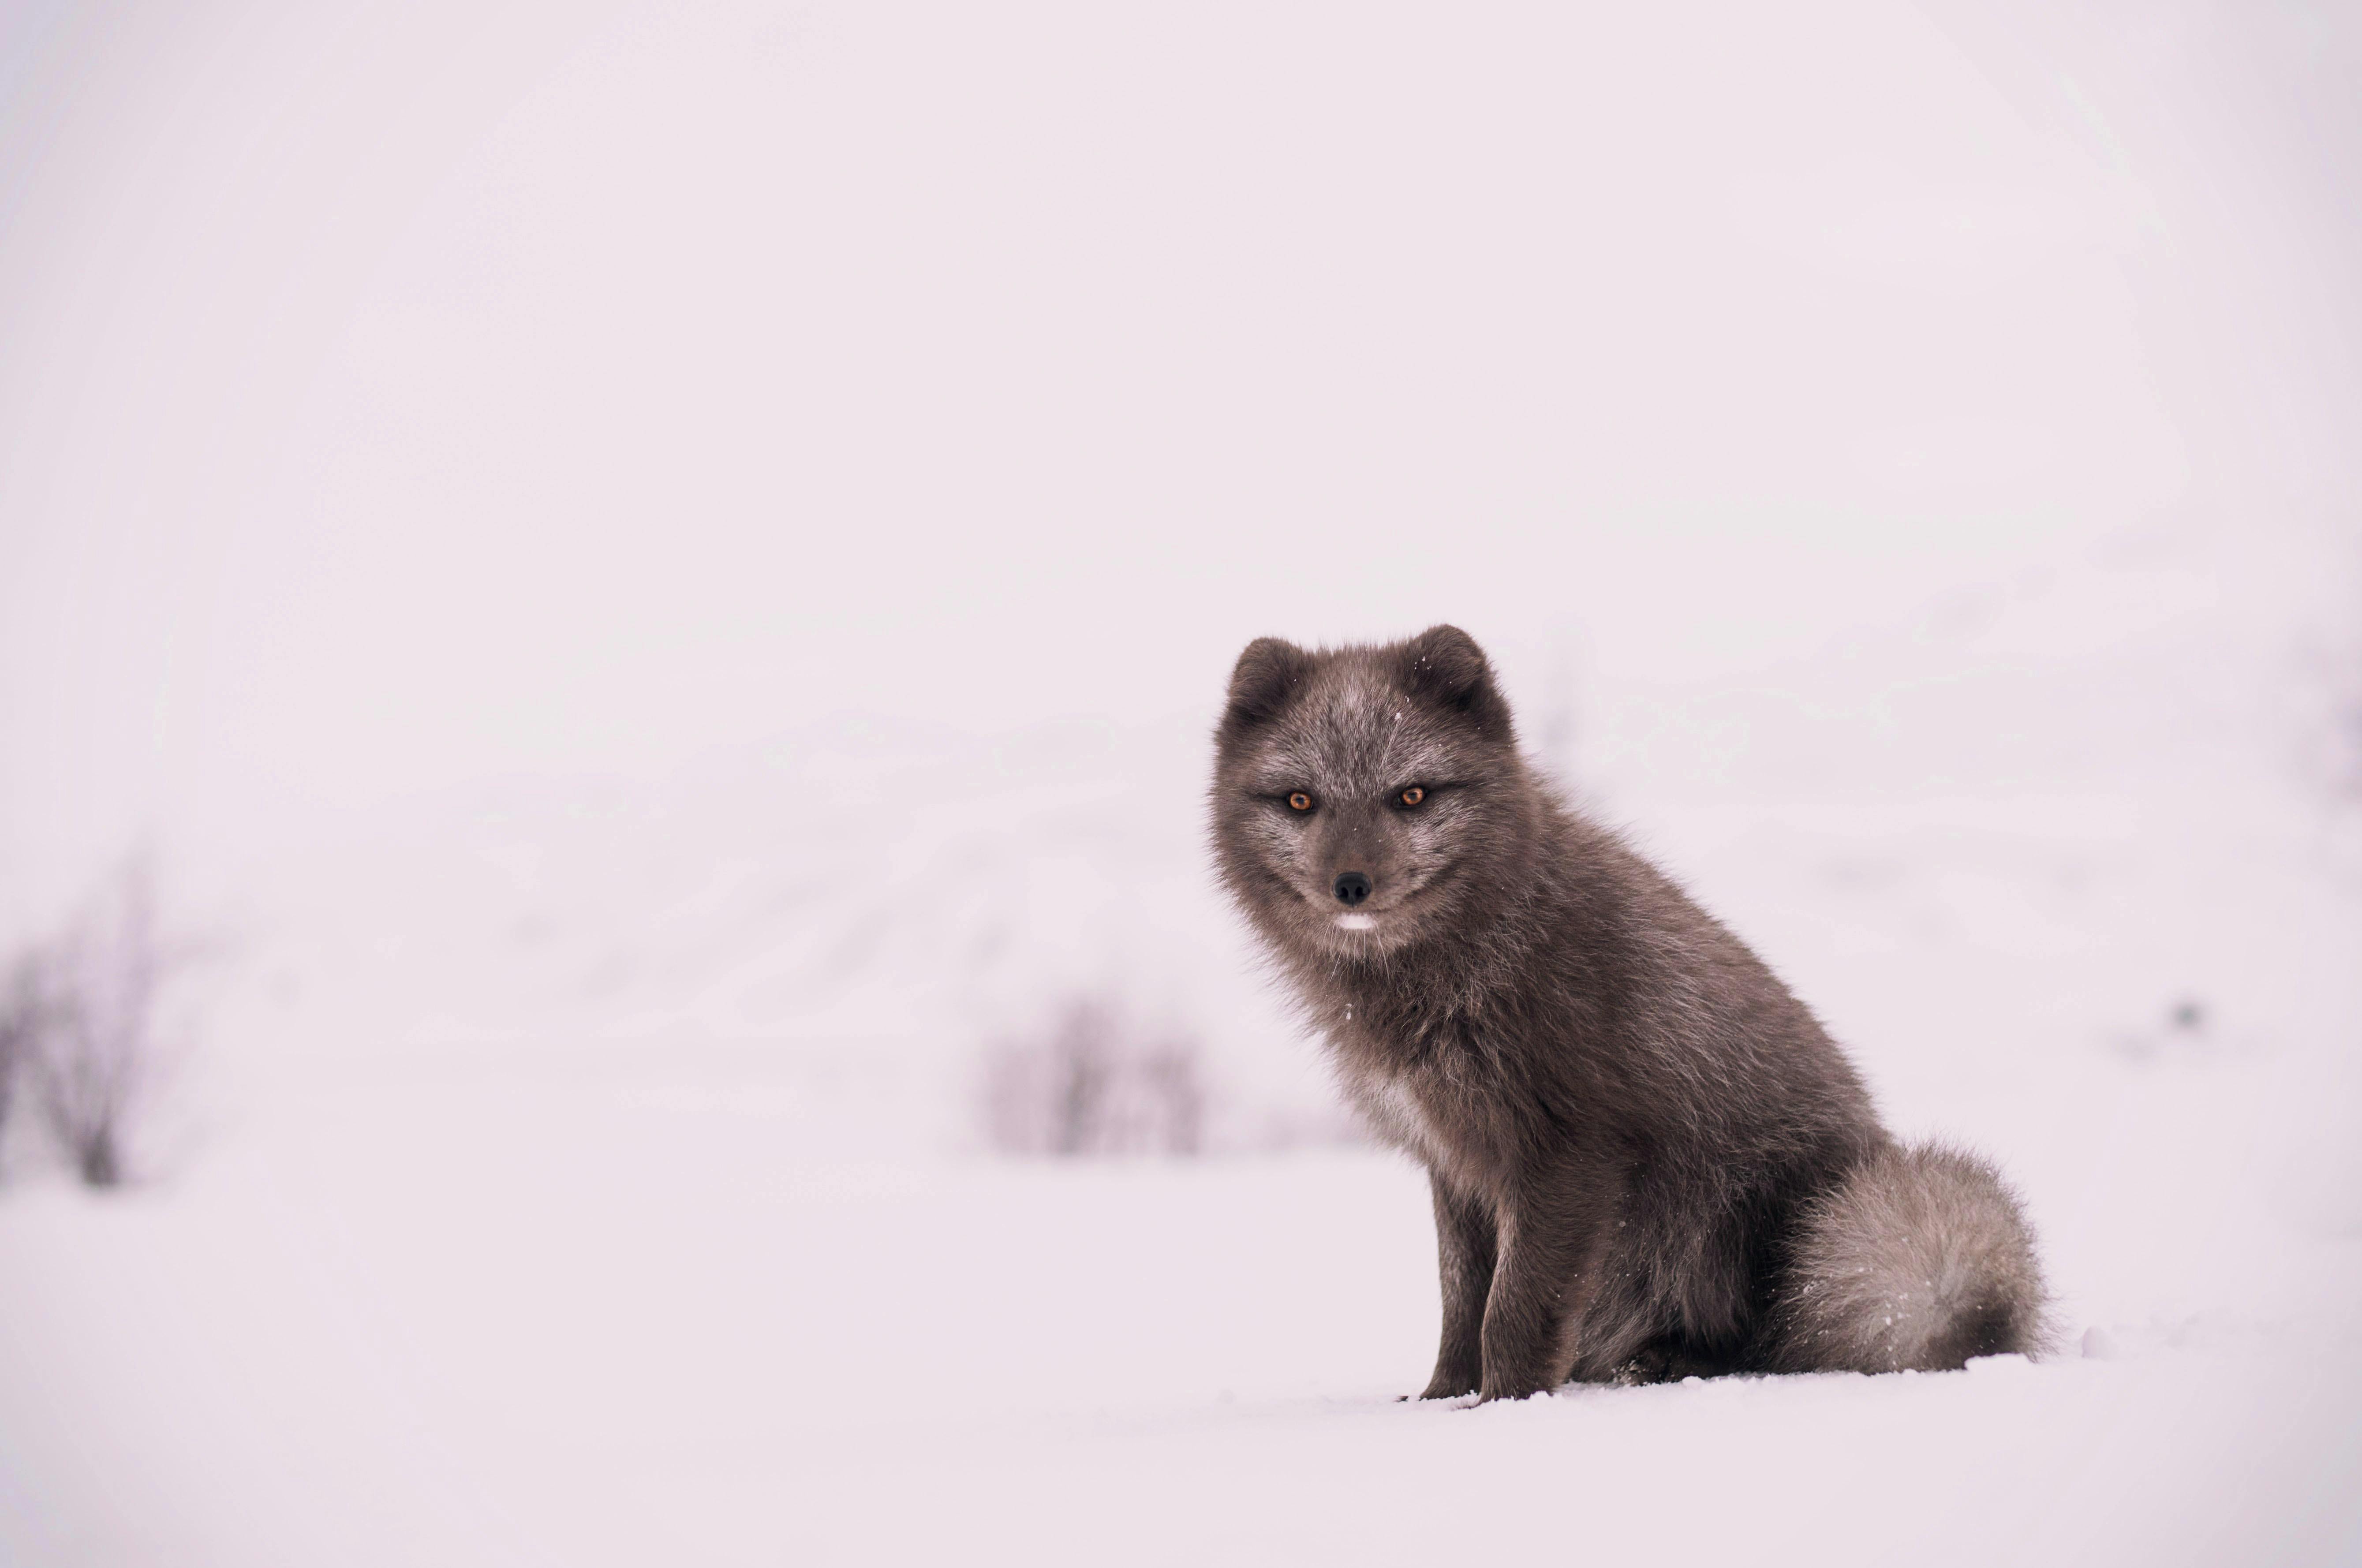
(1444, 665)
(1264, 680)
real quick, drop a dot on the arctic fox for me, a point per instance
(1648, 1159)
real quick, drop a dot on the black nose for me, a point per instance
(1351, 889)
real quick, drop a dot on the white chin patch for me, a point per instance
(1357, 922)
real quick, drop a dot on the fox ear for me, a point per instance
(1444, 666)
(1266, 677)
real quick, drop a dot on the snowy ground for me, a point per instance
(499, 1318)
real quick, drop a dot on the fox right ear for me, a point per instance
(1266, 677)
(1444, 665)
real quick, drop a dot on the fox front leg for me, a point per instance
(1464, 1243)
(1548, 1246)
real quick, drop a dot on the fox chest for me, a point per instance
(1443, 1120)
(1396, 1114)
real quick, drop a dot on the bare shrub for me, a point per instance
(1090, 1084)
(20, 1031)
(85, 1002)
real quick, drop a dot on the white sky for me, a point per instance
(397, 395)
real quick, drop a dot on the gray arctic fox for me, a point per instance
(1648, 1159)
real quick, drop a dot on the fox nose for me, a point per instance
(1351, 889)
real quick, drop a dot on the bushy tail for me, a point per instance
(1919, 1258)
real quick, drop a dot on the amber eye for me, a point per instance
(1413, 796)
(1300, 801)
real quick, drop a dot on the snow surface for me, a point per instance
(509, 1316)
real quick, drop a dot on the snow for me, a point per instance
(521, 1318)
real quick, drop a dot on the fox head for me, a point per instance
(1368, 798)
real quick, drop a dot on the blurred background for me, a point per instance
(609, 615)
